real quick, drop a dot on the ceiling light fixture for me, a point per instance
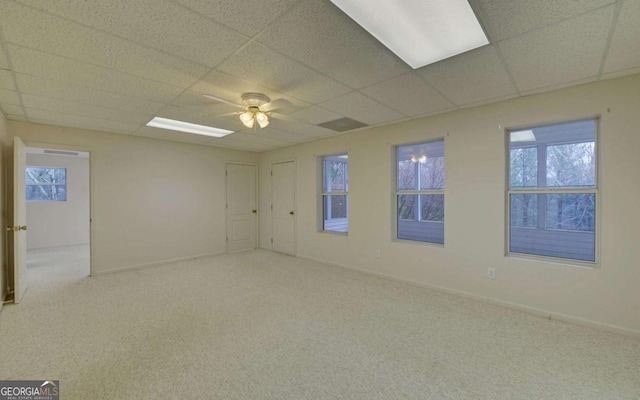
(420, 32)
(253, 115)
(421, 159)
(181, 126)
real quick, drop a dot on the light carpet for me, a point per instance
(261, 325)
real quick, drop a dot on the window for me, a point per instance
(46, 184)
(335, 188)
(420, 192)
(553, 191)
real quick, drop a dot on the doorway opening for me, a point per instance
(58, 217)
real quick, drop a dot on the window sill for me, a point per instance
(563, 262)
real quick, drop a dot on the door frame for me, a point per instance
(89, 150)
(295, 191)
(257, 205)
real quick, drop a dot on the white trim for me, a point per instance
(514, 306)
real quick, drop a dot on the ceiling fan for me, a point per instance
(258, 108)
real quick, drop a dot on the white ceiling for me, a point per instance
(112, 65)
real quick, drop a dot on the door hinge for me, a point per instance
(271, 240)
(271, 173)
(272, 207)
(227, 238)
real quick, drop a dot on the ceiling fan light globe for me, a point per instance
(263, 122)
(247, 119)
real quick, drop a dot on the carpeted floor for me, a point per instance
(260, 325)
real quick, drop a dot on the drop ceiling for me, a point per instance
(112, 65)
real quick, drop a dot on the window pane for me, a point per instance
(424, 224)
(573, 211)
(524, 210)
(524, 167)
(46, 175)
(431, 173)
(571, 165)
(421, 166)
(47, 192)
(408, 206)
(335, 213)
(407, 175)
(431, 207)
(335, 174)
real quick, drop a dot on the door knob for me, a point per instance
(23, 228)
(11, 228)
(291, 212)
(17, 228)
(254, 211)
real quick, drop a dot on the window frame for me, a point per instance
(322, 193)
(396, 192)
(27, 185)
(542, 206)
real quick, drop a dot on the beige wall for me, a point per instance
(60, 223)
(3, 208)
(475, 206)
(152, 200)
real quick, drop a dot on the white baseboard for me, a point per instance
(154, 264)
(515, 306)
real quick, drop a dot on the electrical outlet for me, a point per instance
(377, 253)
(491, 273)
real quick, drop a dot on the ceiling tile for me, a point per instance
(38, 63)
(58, 36)
(623, 51)
(561, 53)
(9, 97)
(81, 94)
(78, 121)
(162, 25)
(357, 106)
(79, 109)
(6, 80)
(408, 94)
(282, 135)
(266, 67)
(315, 115)
(257, 138)
(507, 19)
(227, 142)
(12, 110)
(246, 16)
(320, 35)
(470, 77)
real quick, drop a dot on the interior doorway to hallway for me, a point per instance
(58, 217)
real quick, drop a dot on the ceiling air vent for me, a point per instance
(342, 124)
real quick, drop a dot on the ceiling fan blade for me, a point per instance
(276, 104)
(283, 117)
(218, 99)
(226, 114)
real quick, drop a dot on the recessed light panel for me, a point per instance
(181, 126)
(420, 32)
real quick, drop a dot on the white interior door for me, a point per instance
(283, 207)
(241, 207)
(18, 231)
